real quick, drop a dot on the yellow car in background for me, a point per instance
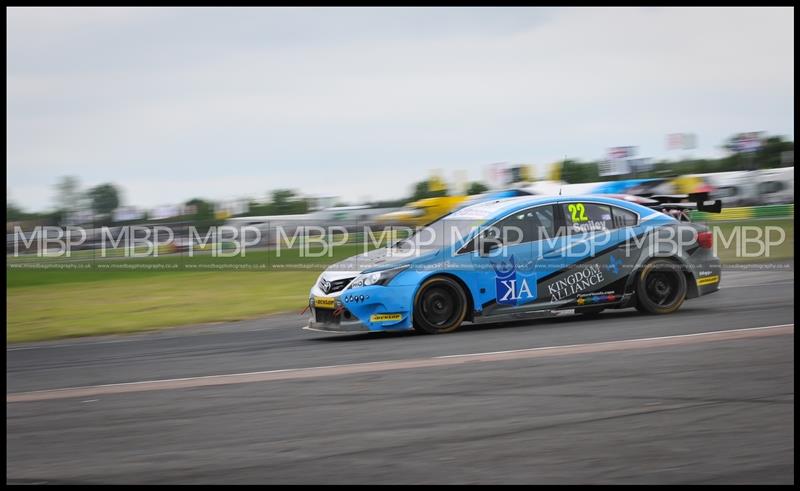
(422, 212)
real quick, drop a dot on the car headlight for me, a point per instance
(381, 278)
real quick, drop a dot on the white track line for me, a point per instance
(379, 366)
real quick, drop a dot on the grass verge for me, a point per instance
(121, 305)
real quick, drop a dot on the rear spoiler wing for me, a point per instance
(691, 201)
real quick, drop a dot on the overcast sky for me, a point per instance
(170, 104)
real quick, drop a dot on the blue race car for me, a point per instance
(523, 257)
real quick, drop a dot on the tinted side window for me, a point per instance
(510, 230)
(587, 217)
(541, 223)
(623, 217)
(527, 225)
(524, 226)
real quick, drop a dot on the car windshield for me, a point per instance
(443, 232)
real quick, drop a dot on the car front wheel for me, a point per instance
(440, 306)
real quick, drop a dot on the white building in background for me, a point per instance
(321, 202)
(128, 213)
(165, 211)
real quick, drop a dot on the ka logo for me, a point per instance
(511, 290)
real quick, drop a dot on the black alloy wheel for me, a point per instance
(440, 306)
(661, 287)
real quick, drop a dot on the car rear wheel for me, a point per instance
(440, 306)
(661, 287)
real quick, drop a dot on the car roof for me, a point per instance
(497, 208)
(494, 207)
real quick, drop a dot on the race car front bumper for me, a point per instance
(371, 308)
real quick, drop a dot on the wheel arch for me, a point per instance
(691, 284)
(463, 284)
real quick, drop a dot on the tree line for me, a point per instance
(103, 199)
(769, 155)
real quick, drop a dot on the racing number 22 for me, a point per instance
(578, 212)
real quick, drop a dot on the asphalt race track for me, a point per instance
(592, 407)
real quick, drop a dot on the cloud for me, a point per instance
(365, 101)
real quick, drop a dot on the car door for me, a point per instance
(587, 254)
(504, 258)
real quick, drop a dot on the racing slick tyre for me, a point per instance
(440, 306)
(661, 287)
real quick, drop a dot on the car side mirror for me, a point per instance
(487, 246)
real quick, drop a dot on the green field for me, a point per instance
(51, 298)
(142, 302)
